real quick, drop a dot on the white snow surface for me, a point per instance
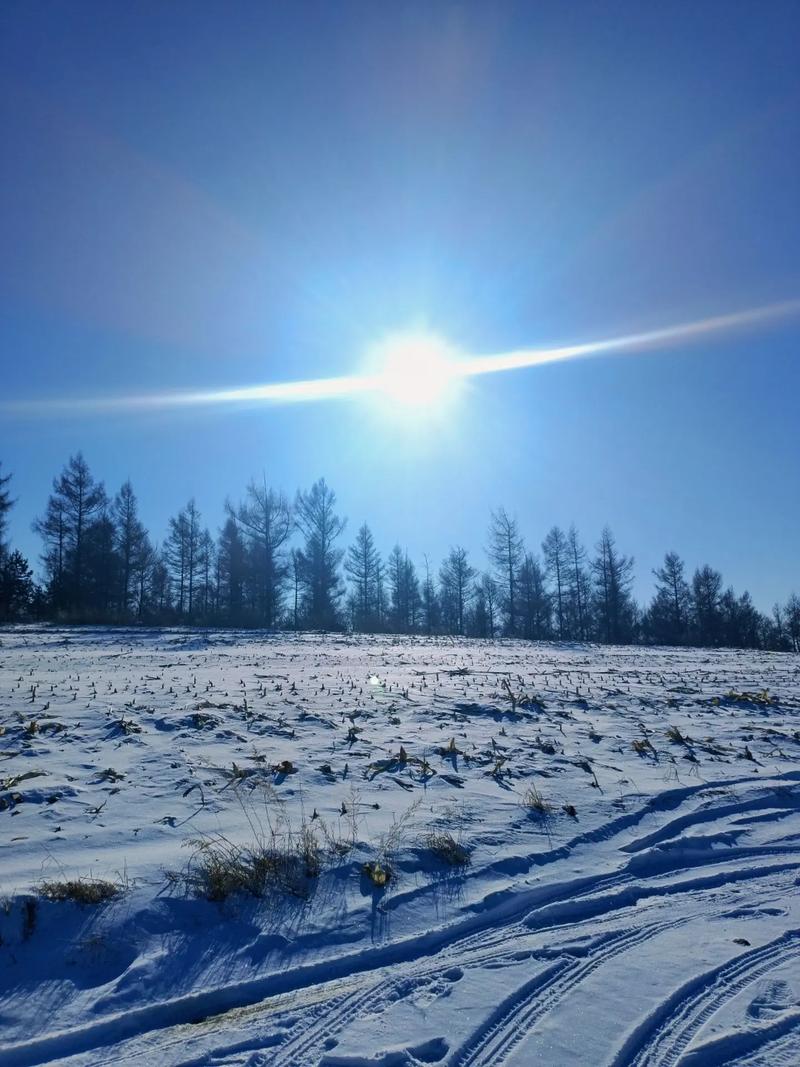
(648, 913)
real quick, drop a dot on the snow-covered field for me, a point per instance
(632, 894)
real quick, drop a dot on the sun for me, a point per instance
(416, 370)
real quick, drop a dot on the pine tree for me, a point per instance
(182, 555)
(205, 569)
(403, 591)
(667, 618)
(160, 595)
(16, 587)
(231, 571)
(430, 602)
(706, 598)
(16, 577)
(144, 563)
(362, 565)
(613, 576)
(485, 606)
(265, 518)
(102, 567)
(793, 621)
(555, 549)
(739, 621)
(411, 595)
(506, 552)
(578, 585)
(76, 503)
(319, 560)
(296, 562)
(6, 503)
(131, 542)
(535, 608)
(455, 582)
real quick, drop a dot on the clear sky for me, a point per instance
(200, 195)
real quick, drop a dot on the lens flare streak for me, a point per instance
(377, 383)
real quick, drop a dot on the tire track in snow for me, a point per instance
(510, 1023)
(774, 1044)
(661, 1040)
(669, 800)
(472, 951)
(314, 1037)
(790, 795)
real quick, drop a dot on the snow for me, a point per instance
(648, 914)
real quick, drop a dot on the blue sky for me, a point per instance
(201, 195)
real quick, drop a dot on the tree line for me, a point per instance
(277, 563)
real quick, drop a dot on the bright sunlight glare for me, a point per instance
(416, 370)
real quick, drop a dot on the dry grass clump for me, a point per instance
(17, 779)
(534, 802)
(90, 891)
(278, 858)
(761, 698)
(520, 699)
(448, 848)
(676, 737)
(110, 775)
(126, 726)
(642, 746)
(220, 868)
